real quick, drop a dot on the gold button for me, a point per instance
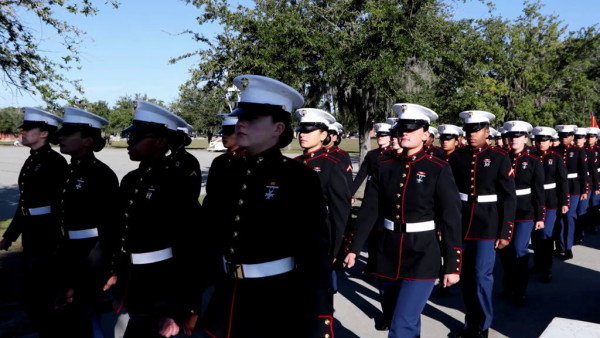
(397, 216)
(241, 202)
(237, 218)
(231, 250)
(403, 175)
(327, 322)
(458, 260)
(327, 334)
(401, 184)
(235, 234)
(130, 202)
(397, 206)
(472, 186)
(457, 269)
(248, 172)
(244, 187)
(472, 163)
(472, 170)
(126, 215)
(135, 191)
(406, 166)
(472, 178)
(397, 195)
(457, 251)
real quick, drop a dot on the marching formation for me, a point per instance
(273, 232)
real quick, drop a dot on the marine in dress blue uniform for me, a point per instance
(37, 217)
(583, 219)
(154, 265)
(314, 123)
(431, 149)
(556, 200)
(487, 190)
(579, 186)
(268, 218)
(530, 213)
(90, 221)
(594, 155)
(333, 147)
(417, 198)
(449, 135)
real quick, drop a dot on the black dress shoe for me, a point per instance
(578, 241)
(559, 253)
(382, 327)
(567, 255)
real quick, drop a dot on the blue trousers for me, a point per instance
(521, 238)
(410, 299)
(567, 225)
(594, 203)
(548, 231)
(477, 282)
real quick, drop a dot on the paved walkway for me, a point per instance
(573, 294)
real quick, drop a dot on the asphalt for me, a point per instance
(573, 294)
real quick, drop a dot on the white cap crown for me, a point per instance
(449, 129)
(411, 111)
(150, 112)
(80, 116)
(314, 115)
(382, 127)
(38, 115)
(265, 90)
(476, 116)
(517, 126)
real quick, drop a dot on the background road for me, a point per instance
(574, 292)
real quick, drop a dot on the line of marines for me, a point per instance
(272, 232)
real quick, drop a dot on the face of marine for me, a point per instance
(517, 143)
(312, 140)
(258, 134)
(478, 139)
(34, 138)
(449, 145)
(74, 144)
(383, 141)
(543, 145)
(142, 146)
(412, 141)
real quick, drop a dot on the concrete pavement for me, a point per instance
(573, 294)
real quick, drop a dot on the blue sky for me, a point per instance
(126, 50)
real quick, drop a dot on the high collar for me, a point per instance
(43, 149)
(479, 149)
(315, 153)
(264, 157)
(413, 157)
(87, 158)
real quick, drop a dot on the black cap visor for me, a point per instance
(541, 138)
(565, 134)
(250, 111)
(28, 125)
(382, 134)
(475, 127)
(515, 134)
(145, 127)
(307, 127)
(227, 130)
(410, 125)
(446, 137)
(71, 128)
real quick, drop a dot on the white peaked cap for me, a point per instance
(38, 115)
(476, 116)
(382, 127)
(593, 131)
(227, 120)
(581, 131)
(337, 127)
(434, 131)
(544, 131)
(314, 115)
(265, 90)
(391, 121)
(565, 128)
(80, 116)
(493, 132)
(149, 112)
(517, 127)
(449, 129)
(411, 111)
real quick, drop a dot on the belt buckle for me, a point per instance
(472, 198)
(235, 270)
(24, 211)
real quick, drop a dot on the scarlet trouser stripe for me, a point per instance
(81, 234)
(151, 257)
(410, 227)
(259, 270)
(480, 198)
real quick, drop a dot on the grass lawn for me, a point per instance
(349, 145)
